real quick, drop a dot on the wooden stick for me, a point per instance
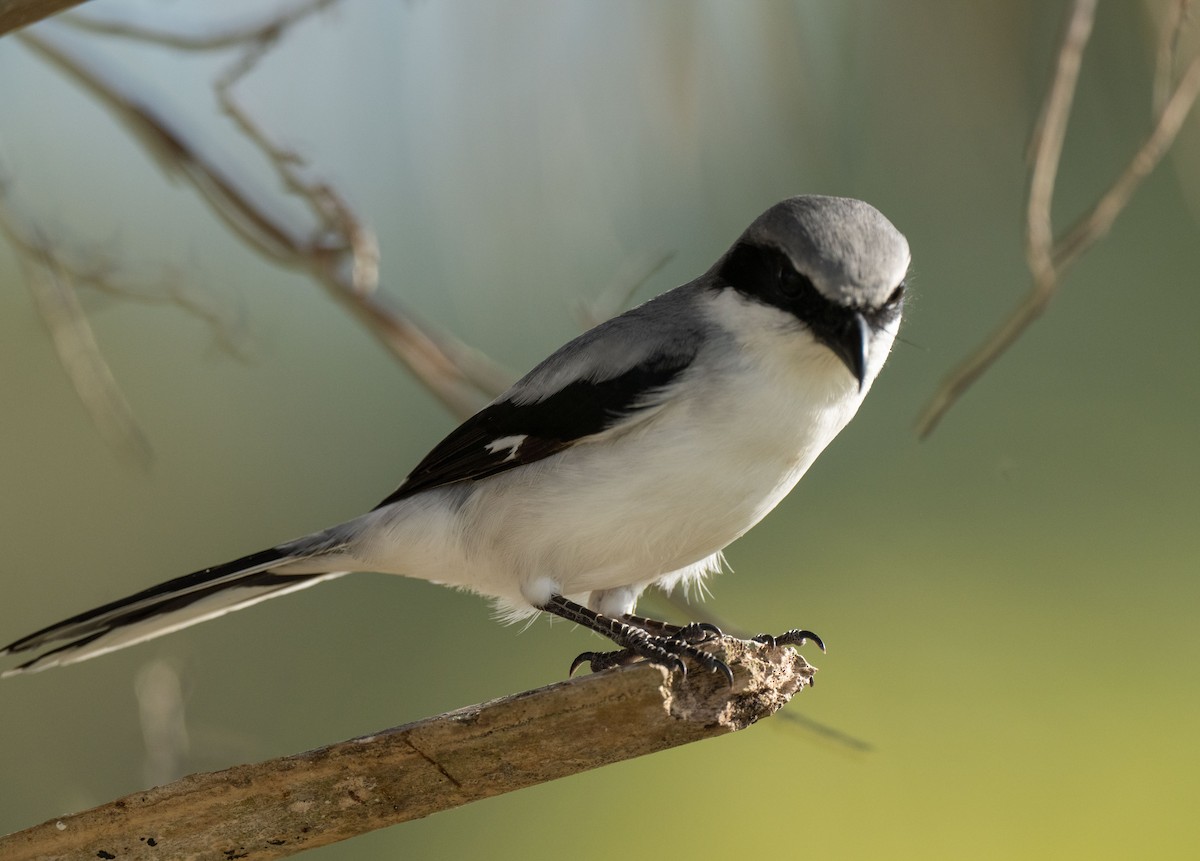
(277, 808)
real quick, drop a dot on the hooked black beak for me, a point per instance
(849, 344)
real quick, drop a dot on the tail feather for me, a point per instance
(164, 608)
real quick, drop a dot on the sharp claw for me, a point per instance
(708, 628)
(798, 638)
(715, 664)
(666, 651)
(794, 637)
(697, 632)
(580, 660)
(669, 652)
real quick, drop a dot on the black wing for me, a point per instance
(509, 433)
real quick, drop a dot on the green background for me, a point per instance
(1010, 605)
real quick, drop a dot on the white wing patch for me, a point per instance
(511, 443)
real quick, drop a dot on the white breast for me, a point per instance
(641, 505)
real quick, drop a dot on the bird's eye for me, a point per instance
(791, 282)
(894, 299)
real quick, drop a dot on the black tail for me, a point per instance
(164, 608)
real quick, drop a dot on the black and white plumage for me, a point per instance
(630, 457)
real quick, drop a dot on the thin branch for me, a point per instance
(616, 296)
(456, 373)
(192, 36)
(53, 290)
(1048, 142)
(269, 233)
(277, 808)
(1049, 258)
(1177, 16)
(1096, 223)
(97, 272)
(1045, 152)
(339, 253)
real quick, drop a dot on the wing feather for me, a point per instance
(510, 433)
(615, 373)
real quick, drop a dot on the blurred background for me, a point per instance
(1010, 604)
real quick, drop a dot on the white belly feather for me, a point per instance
(654, 503)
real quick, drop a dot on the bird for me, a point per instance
(631, 457)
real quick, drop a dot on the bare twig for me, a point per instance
(283, 806)
(1096, 222)
(1047, 257)
(15, 14)
(458, 374)
(339, 253)
(96, 271)
(75, 343)
(1046, 152)
(1177, 14)
(194, 35)
(615, 297)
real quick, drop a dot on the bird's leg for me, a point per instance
(701, 632)
(634, 641)
(694, 632)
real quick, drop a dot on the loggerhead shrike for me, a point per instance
(630, 457)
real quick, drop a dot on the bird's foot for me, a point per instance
(664, 651)
(659, 643)
(794, 637)
(693, 632)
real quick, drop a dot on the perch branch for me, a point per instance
(277, 808)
